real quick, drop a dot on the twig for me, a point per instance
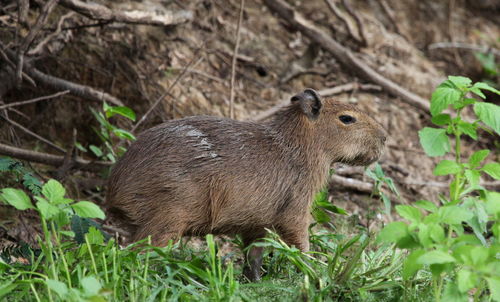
(6, 58)
(351, 12)
(31, 133)
(75, 89)
(388, 12)
(61, 84)
(480, 48)
(50, 159)
(235, 56)
(25, 44)
(344, 55)
(336, 11)
(99, 12)
(42, 98)
(37, 50)
(324, 93)
(352, 183)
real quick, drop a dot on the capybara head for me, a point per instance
(341, 131)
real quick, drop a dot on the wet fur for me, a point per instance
(202, 174)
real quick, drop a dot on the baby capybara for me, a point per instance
(202, 174)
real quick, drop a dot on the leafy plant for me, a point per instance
(460, 263)
(108, 132)
(21, 172)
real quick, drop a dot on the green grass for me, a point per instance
(338, 268)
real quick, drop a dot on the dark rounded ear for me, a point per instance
(310, 103)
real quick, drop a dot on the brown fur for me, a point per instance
(203, 174)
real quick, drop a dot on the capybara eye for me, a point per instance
(347, 119)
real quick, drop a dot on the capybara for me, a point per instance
(203, 174)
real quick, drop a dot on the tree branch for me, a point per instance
(344, 55)
(102, 13)
(50, 159)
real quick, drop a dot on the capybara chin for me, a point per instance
(201, 174)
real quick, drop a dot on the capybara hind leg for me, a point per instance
(253, 256)
(296, 234)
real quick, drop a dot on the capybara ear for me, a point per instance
(310, 103)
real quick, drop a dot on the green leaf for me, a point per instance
(460, 82)
(57, 286)
(441, 119)
(446, 167)
(409, 212)
(466, 280)
(434, 141)
(485, 86)
(16, 198)
(6, 288)
(473, 177)
(96, 150)
(435, 257)
(477, 157)
(320, 216)
(88, 209)
(488, 113)
(80, 226)
(6, 164)
(53, 191)
(492, 169)
(468, 128)
(411, 266)
(494, 285)
(453, 214)
(95, 236)
(436, 233)
(446, 94)
(46, 209)
(493, 203)
(124, 134)
(426, 205)
(452, 294)
(393, 232)
(121, 110)
(91, 286)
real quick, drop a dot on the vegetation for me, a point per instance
(445, 250)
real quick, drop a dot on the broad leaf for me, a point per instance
(477, 157)
(488, 113)
(466, 280)
(409, 212)
(460, 82)
(452, 294)
(484, 86)
(426, 205)
(446, 94)
(53, 191)
(454, 214)
(411, 266)
(441, 119)
(446, 167)
(435, 257)
(393, 232)
(16, 198)
(494, 285)
(468, 128)
(91, 286)
(493, 170)
(57, 286)
(434, 141)
(46, 209)
(88, 209)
